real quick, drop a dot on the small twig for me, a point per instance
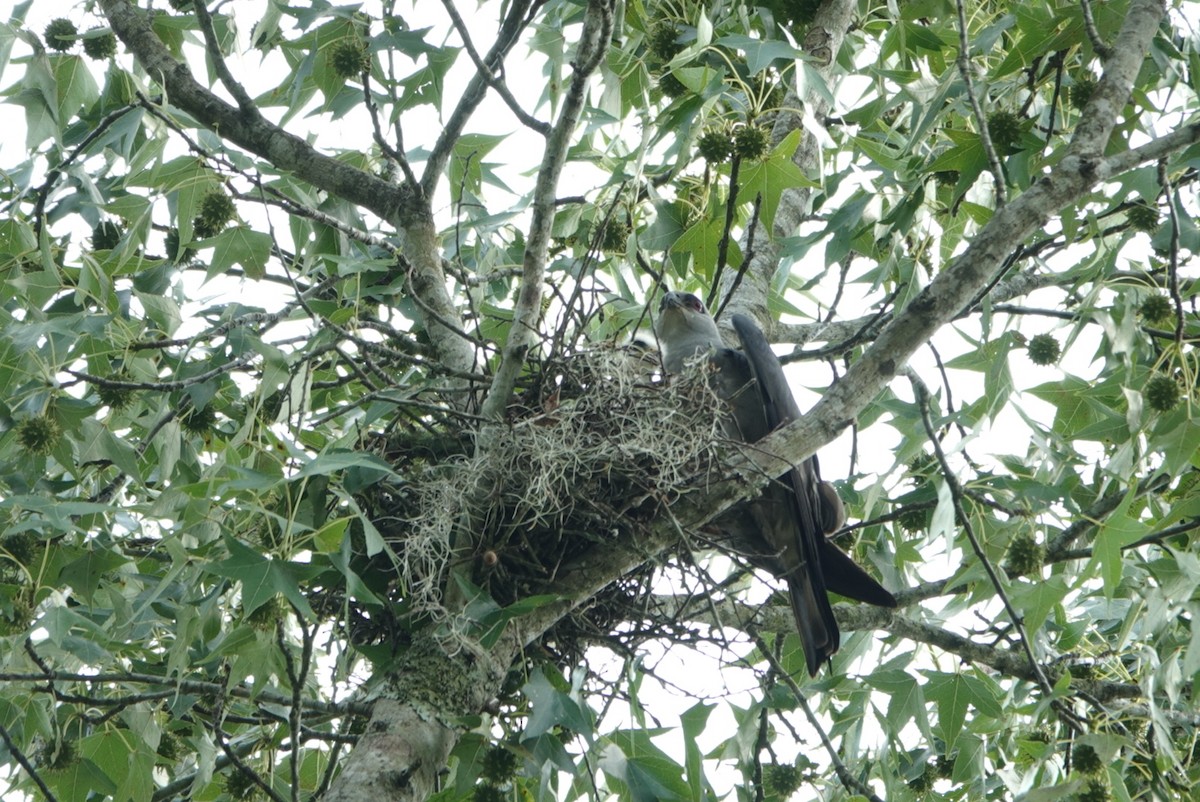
(864, 331)
(1093, 34)
(218, 717)
(646, 267)
(396, 154)
(485, 73)
(852, 783)
(16, 752)
(1093, 516)
(843, 272)
(43, 192)
(1058, 63)
(964, 69)
(937, 358)
(727, 234)
(747, 257)
(297, 679)
(1173, 264)
(199, 378)
(222, 69)
(922, 392)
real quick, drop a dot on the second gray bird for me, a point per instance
(785, 529)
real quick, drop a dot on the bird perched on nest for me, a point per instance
(784, 530)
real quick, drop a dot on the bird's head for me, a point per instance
(684, 310)
(684, 329)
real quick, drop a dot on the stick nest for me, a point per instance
(598, 446)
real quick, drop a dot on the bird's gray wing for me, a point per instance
(798, 510)
(789, 513)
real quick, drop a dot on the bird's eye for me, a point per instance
(694, 303)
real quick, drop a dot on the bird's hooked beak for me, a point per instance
(669, 300)
(683, 301)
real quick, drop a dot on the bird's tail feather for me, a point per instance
(818, 631)
(847, 578)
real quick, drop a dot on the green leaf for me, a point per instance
(761, 53)
(647, 773)
(84, 574)
(76, 86)
(906, 701)
(952, 696)
(261, 579)
(702, 241)
(1035, 600)
(553, 708)
(467, 165)
(333, 462)
(1118, 530)
(330, 536)
(243, 246)
(773, 176)
(79, 780)
(692, 722)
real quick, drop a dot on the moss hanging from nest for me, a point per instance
(607, 446)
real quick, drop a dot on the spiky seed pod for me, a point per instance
(1156, 308)
(38, 435)
(946, 178)
(1081, 91)
(1161, 393)
(101, 47)
(781, 780)
(671, 86)
(181, 5)
(217, 207)
(1025, 555)
(350, 57)
(18, 615)
(486, 792)
(1044, 349)
(1086, 759)
(267, 615)
(22, 547)
(922, 467)
(751, 141)
(1143, 217)
(116, 398)
(60, 34)
(944, 765)
(240, 786)
(199, 421)
(923, 782)
(201, 229)
(913, 520)
(170, 747)
(1041, 736)
(1005, 129)
(105, 236)
(216, 210)
(57, 756)
(663, 40)
(1096, 791)
(616, 233)
(1082, 670)
(499, 765)
(173, 250)
(715, 145)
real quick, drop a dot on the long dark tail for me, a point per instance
(846, 577)
(815, 623)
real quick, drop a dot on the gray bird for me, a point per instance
(784, 530)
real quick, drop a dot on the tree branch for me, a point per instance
(398, 205)
(597, 30)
